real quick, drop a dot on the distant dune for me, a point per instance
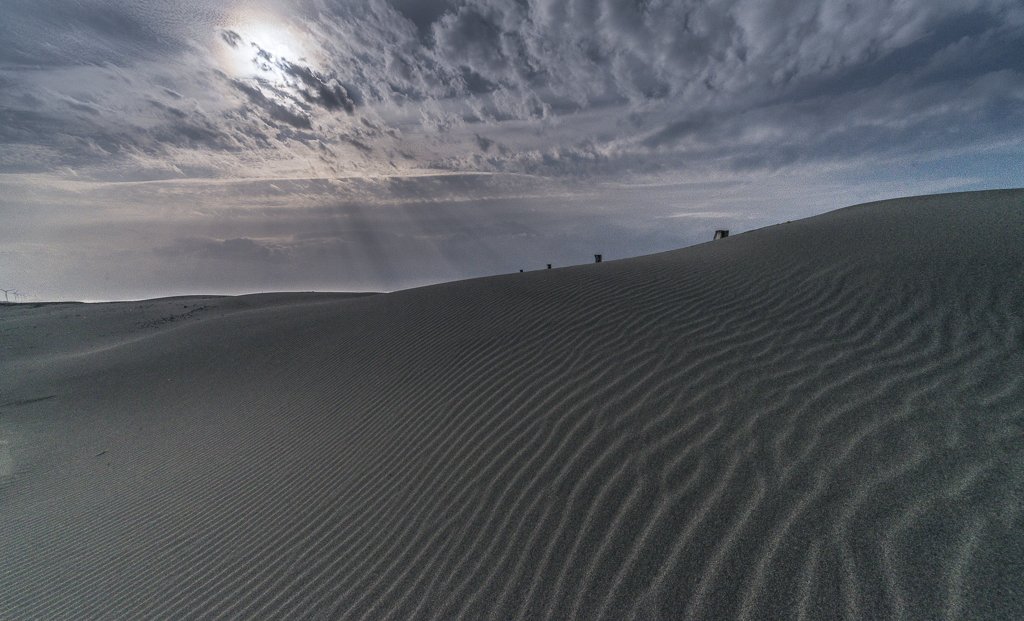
(820, 419)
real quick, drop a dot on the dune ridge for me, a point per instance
(820, 419)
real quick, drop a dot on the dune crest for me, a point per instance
(820, 419)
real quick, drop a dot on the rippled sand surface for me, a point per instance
(820, 419)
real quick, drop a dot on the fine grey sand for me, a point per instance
(821, 419)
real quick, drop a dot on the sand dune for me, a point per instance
(820, 419)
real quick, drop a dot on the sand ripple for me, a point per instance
(821, 419)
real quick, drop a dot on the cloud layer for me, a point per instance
(560, 87)
(534, 112)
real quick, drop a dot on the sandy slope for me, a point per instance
(820, 419)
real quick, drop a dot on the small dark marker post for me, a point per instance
(549, 266)
(597, 258)
(721, 233)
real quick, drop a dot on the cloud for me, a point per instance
(484, 143)
(85, 240)
(423, 14)
(236, 249)
(231, 37)
(229, 145)
(325, 92)
(57, 33)
(274, 109)
(560, 87)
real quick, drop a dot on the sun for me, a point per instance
(256, 48)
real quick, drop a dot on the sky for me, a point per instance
(235, 146)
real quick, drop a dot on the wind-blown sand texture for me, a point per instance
(820, 419)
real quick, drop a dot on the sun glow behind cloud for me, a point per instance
(249, 47)
(294, 105)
